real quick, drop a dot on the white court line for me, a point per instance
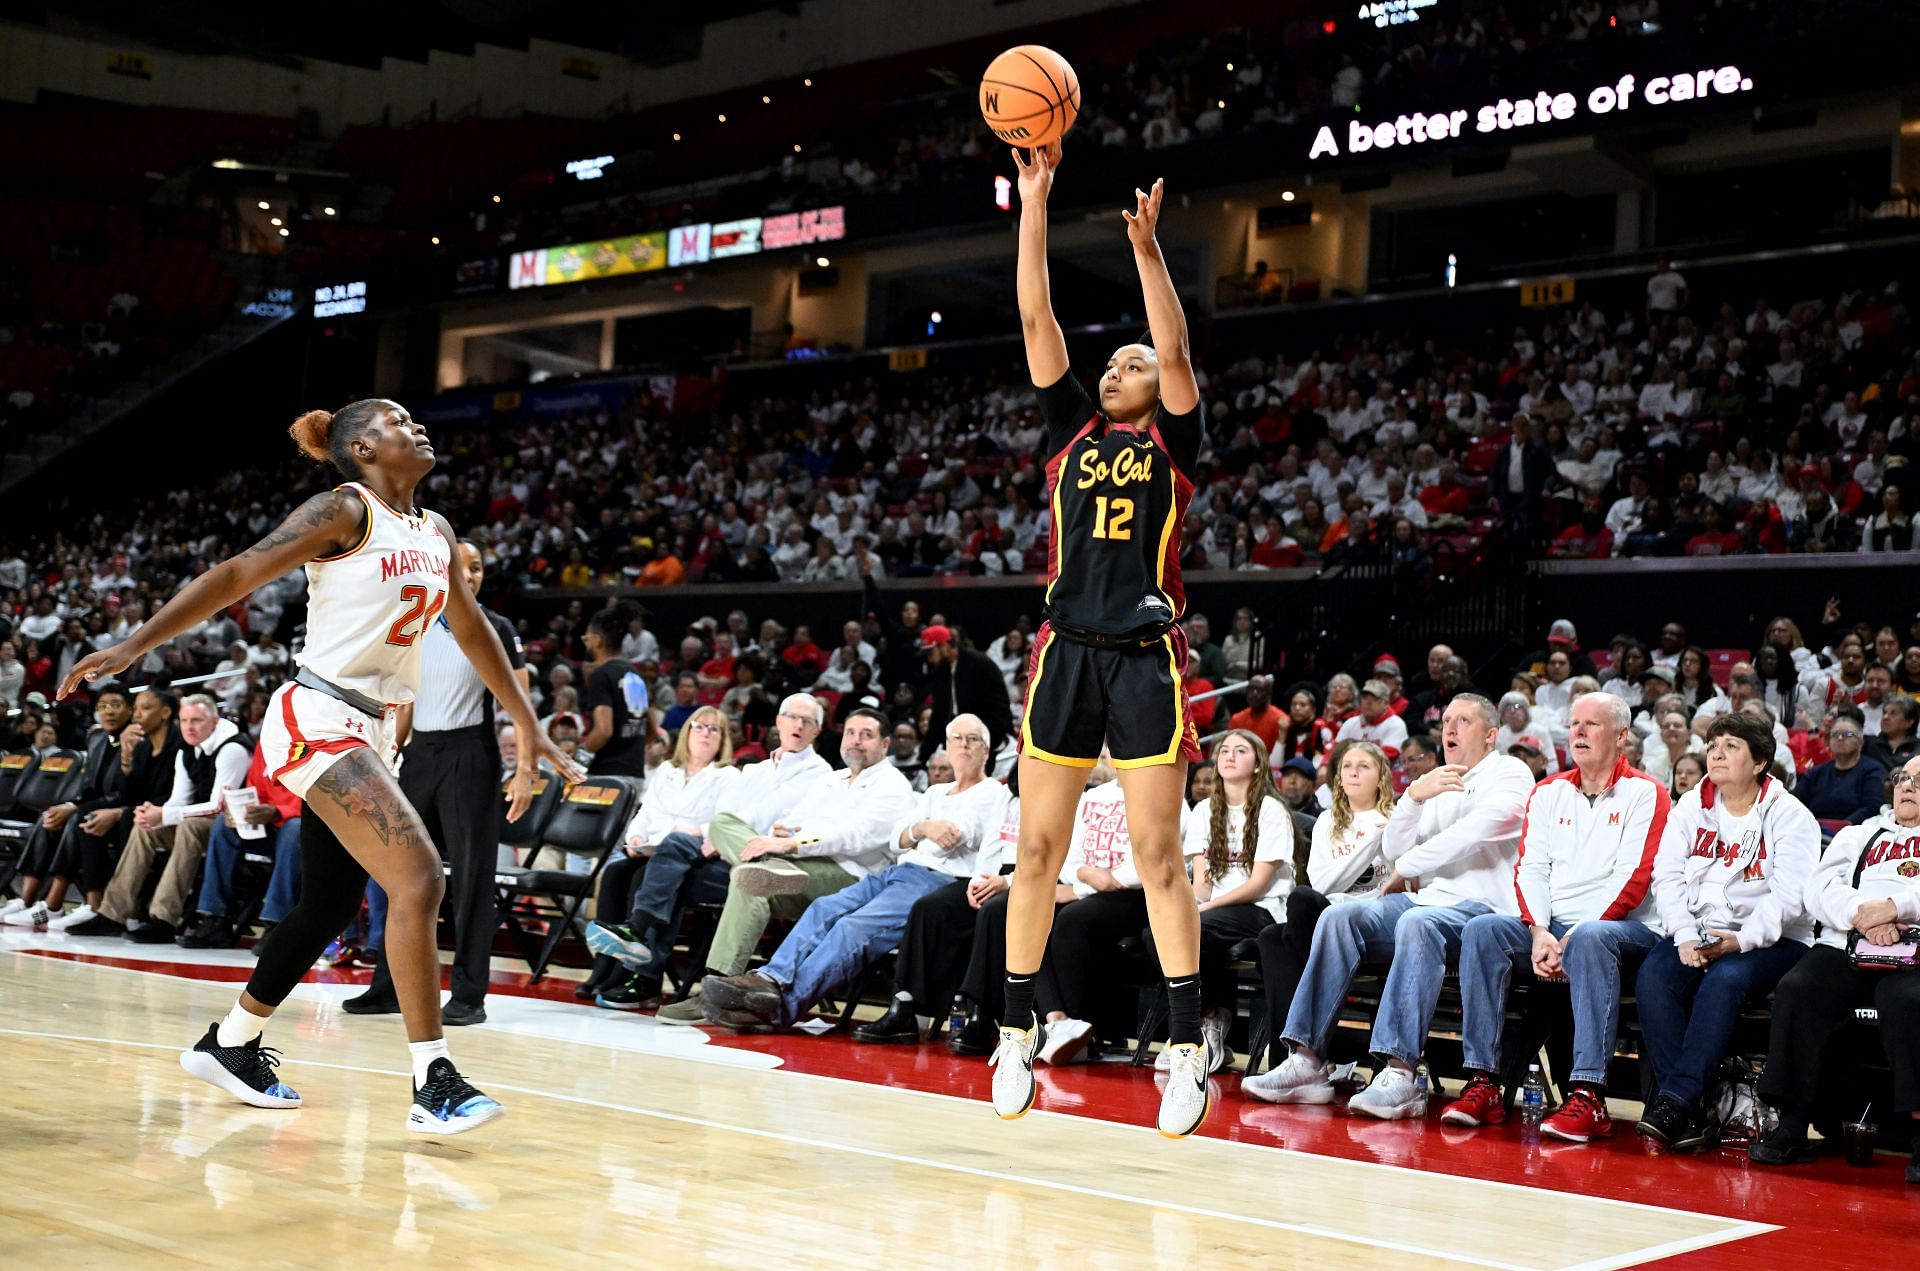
(1305, 1229)
(1736, 1228)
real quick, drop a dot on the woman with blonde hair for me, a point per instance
(1241, 843)
(683, 794)
(1342, 866)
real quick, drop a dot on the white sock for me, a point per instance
(424, 1053)
(240, 1026)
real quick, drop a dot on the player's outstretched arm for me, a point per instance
(1179, 391)
(325, 525)
(1046, 346)
(481, 643)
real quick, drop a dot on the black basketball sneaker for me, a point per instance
(447, 1104)
(246, 1072)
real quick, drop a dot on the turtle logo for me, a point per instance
(1909, 868)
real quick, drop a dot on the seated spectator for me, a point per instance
(1897, 742)
(840, 832)
(1586, 854)
(1343, 864)
(934, 949)
(1519, 723)
(212, 759)
(1729, 883)
(682, 796)
(1451, 843)
(1688, 771)
(682, 863)
(1663, 752)
(277, 814)
(1241, 846)
(1849, 786)
(1864, 891)
(1306, 735)
(840, 934)
(1260, 717)
(1376, 722)
(57, 833)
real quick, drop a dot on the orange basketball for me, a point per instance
(1030, 96)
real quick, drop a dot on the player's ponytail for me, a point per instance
(328, 436)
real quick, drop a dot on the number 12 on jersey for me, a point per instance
(1112, 517)
(409, 626)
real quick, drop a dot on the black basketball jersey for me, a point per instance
(1118, 496)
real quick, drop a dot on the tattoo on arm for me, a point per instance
(321, 510)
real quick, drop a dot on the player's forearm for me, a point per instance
(1032, 285)
(1165, 318)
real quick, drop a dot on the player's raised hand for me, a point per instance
(1145, 217)
(105, 664)
(1036, 175)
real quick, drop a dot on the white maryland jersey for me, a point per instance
(368, 608)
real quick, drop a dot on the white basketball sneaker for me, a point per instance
(1187, 1096)
(1012, 1063)
(1394, 1094)
(1298, 1080)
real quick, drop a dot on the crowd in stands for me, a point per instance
(1332, 820)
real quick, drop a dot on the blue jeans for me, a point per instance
(674, 857)
(841, 934)
(1688, 1014)
(1595, 956)
(1421, 941)
(376, 915)
(224, 849)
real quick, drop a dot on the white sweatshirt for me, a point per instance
(851, 820)
(1744, 874)
(1003, 848)
(1275, 844)
(1462, 845)
(1342, 867)
(1582, 858)
(675, 804)
(1892, 871)
(1101, 839)
(977, 810)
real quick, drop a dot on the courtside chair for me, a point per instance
(35, 787)
(590, 820)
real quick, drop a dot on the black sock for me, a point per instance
(1019, 1009)
(1183, 1009)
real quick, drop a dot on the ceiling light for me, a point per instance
(329, 211)
(274, 220)
(1229, 65)
(263, 205)
(436, 240)
(821, 261)
(723, 119)
(496, 198)
(807, 82)
(676, 136)
(765, 100)
(796, 149)
(283, 231)
(1286, 196)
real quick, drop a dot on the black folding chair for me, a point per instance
(35, 788)
(12, 769)
(588, 820)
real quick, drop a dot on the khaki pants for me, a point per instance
(744, 919)
(173, 898)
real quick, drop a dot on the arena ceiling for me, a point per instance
(362, 32)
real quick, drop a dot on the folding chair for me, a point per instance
(35, 788)
(588, 820)
(12, 769)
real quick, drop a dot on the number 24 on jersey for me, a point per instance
(419, 615)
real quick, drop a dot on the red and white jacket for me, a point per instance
(1581, 858)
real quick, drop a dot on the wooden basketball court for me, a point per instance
(632, 1140)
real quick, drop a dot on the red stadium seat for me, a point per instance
(1720, 663)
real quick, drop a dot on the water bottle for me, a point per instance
(957, 1017)
(1533, 1097)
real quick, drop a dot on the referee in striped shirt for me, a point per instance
(450, 772)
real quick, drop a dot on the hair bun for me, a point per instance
(310, 432)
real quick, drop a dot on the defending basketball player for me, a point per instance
(1106, 665)
(377, 568)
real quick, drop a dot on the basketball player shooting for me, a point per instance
(377, 569)
(1106, 665)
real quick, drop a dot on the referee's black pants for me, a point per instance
(452, 779)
